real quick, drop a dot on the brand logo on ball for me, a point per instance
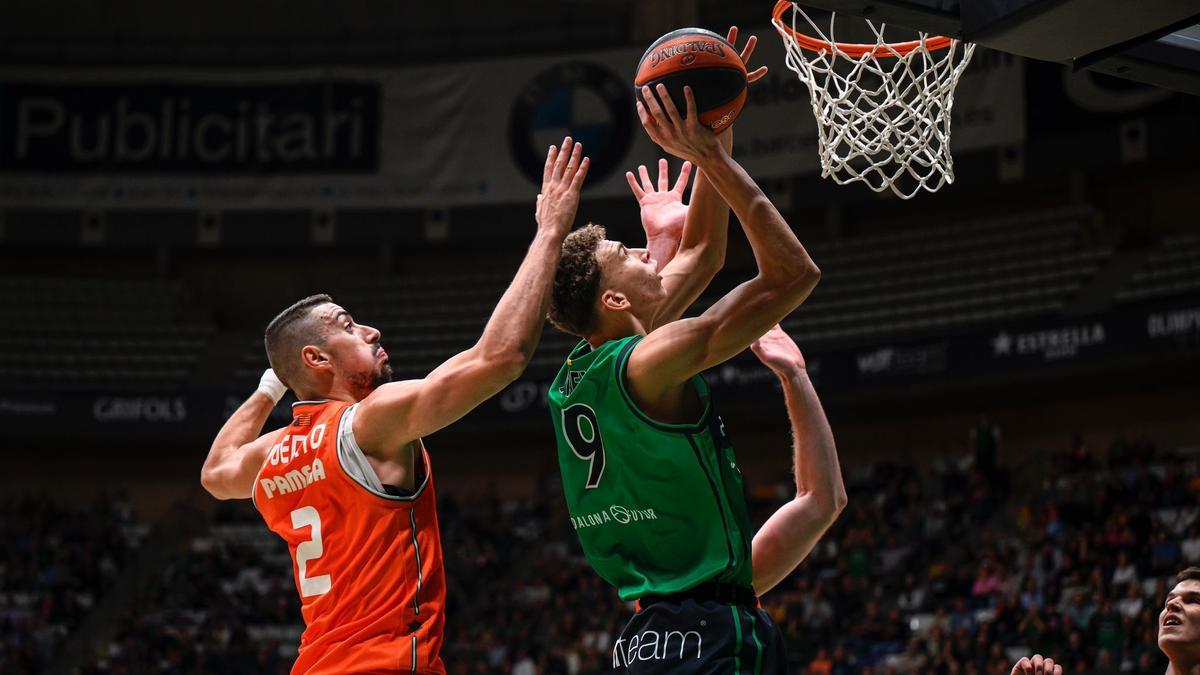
(688, 50)
(725, 119)
(580, 99)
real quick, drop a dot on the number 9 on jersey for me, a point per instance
(582, 432)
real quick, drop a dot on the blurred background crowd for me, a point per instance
(958, 565)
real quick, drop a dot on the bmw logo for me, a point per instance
(580, 99)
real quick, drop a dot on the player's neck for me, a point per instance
(336, 392)
(342, 393)
(616, 327)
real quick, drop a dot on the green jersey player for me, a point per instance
(649, 476)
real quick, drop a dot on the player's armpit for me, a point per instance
(233, 477)
(787, 538)
(399, 413)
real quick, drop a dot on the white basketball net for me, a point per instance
(884, 119)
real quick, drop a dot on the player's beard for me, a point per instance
(365, 383)
(383, 376)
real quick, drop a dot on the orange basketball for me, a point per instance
(704, 61)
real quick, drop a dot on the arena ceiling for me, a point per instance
(279, 32)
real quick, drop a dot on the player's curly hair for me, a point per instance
(1189, 574)
(576, 281)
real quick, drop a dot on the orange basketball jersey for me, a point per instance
(368, 564)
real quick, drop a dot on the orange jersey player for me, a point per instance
(348, 484)
(367, 556)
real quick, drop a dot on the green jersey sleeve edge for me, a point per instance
(622, 361)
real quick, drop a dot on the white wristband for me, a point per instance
(271, 385)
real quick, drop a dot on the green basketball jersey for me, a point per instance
(659, 508)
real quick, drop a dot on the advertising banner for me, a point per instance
(456, 134)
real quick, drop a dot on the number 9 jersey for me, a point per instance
(367, 561)
(659, 508)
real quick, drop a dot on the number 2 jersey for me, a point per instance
(658, 508)
(367, 562)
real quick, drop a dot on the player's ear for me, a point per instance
(614, 300)
(314, 357)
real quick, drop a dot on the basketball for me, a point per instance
(704, 61)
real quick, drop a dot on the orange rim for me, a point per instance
(852, 49)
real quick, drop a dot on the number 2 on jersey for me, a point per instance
(586, 444)
(307, 551)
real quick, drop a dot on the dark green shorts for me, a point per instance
(692, 638)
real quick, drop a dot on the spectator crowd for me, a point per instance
(941, 571)
(936, 568)
(56, 563)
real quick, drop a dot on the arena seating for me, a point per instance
(71, 333)
(220, 606)
(947, 278)
(56, 565)
(66, 334)
(934, 568)
(880, 287)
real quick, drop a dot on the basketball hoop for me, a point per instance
(882, 109)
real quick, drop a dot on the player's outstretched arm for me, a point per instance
(238, 452)
(686, 243)
(397, 414)
(661, 209)
(689, 246)
(701, 250)
(786, 274)
(791, 532)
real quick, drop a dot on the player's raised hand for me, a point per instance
(684, 137)
(662, 209)
(752, 76)
(1037, 666)
(562, 179)
(778, 351)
